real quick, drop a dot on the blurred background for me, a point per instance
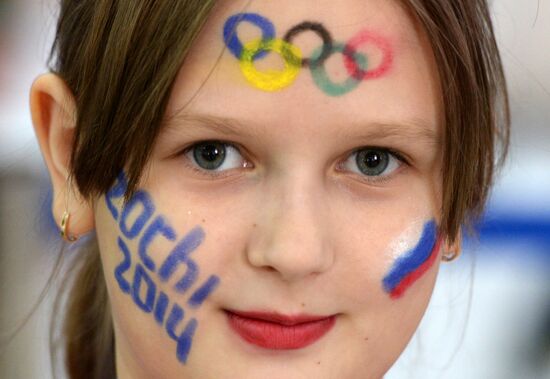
(490, 314)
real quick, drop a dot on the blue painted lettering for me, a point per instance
(123, 267)
(132, 220)
(185, 339)
(203, 291)
(180, 255)
(160, 307)
(140, 198)
(141, 276)
(158, 227)
(116, 192)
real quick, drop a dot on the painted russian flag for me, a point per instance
(412, 265)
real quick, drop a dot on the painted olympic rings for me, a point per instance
(321, 31)
(232, 39)
(271, 80)
(321, 78)
(361, 38)
(355, 63)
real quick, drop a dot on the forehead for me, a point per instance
(380, 31)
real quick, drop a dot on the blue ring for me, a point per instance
(230, 32)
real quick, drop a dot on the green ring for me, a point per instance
(320, 76)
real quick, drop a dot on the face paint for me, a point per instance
(410, 266)
(159, 227)
(142, 288)
(356, 64)
(362, 38)
(322, 32)
(271, 80)
(320, 76)
(230, 32)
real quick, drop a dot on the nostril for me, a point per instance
(270, 269)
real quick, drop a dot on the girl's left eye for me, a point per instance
(373, 162)
(214, 156)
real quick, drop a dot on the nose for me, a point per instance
(291, 238)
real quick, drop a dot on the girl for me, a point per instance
(267, 188)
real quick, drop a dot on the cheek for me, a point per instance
(394, 264)
(412, 262)
(379, 325)
(394, 276)
(157, 284)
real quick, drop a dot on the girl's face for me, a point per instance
(286, 226)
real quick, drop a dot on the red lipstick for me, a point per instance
(279, 332)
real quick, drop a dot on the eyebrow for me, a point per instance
(224, 125)
(417, 130)
(414, 129)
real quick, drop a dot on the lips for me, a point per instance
(279, 332)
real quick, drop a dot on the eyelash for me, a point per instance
(211, 173)
(247, 164)
(401, 160)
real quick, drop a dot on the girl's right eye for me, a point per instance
(214, 156)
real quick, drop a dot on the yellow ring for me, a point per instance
(271, 80)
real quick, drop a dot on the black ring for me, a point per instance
(321, 31)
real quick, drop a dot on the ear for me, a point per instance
(53, 111)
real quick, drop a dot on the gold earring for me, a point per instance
(450, 255)
(64, 232)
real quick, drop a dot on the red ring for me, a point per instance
(362, 37)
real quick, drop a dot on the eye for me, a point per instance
(214, 156)
(373, 162)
